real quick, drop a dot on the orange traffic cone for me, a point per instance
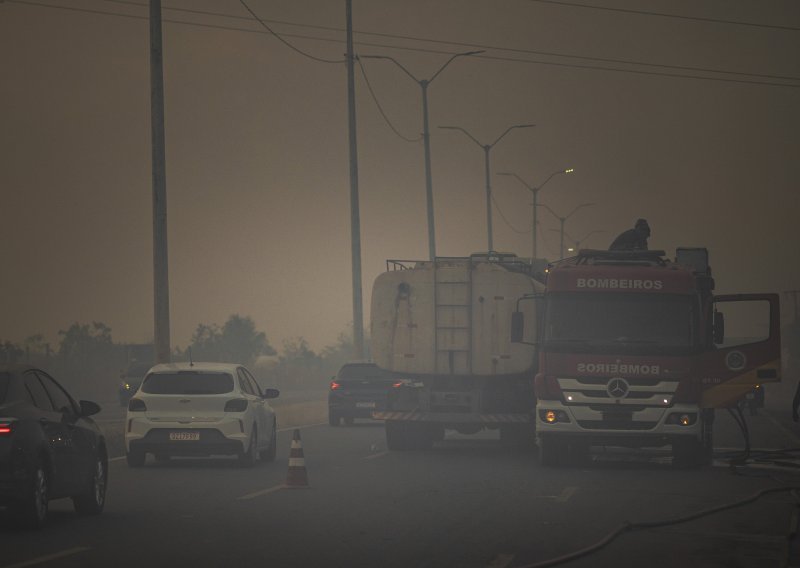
(297, 475)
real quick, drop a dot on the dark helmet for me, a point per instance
(642, 226)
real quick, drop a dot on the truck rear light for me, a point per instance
(335, 385)
(236, 405)
(6, 427)
(546, 388)
(136, 405)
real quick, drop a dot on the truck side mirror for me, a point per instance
(517, 327)
(719, 327)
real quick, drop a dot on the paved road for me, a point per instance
(468, 503)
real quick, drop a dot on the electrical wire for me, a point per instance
(486, 46)
(664, 15)
(505, 220)
(286, 43)
(380, 108)
(486, 57)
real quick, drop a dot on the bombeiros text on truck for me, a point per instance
(635, 351)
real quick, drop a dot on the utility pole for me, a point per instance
(486, 149)
(355, 218)
(163, 351)
(426, 138)
(535, 192)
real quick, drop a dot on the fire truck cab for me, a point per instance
(634, 352)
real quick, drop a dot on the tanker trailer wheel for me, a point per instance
(396, 436)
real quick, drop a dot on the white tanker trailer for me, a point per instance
(442, 328)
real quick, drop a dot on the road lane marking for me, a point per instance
(262, 492)
(376, 456)
(566, 494)
(49, 557)
(501, 561)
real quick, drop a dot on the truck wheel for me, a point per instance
(552, 451)
(333, 418)
(396, 436)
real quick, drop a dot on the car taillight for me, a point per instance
(398, 384)
(6, 427)
(236, 405)
(335, 385)
(546, 387)
(136, 405)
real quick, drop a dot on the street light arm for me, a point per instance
(509, 129)
(393, 60)
(522, 181)
(465, 54)
(551, 211)
(582, 205)
(465, 132)
(589, 234)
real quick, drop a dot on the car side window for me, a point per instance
(37, 393)
(253, 382)
(243, 384)
(61, 400)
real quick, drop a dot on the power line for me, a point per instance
(505, 220)
(380, 108)
(483, 46)
(286, 43)
(441, 52)
(664, 15)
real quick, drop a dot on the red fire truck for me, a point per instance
(634, 351)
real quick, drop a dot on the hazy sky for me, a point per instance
(257, 148)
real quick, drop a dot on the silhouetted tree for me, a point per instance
(237, 341)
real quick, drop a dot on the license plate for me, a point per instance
(180, 436)
(365, 405)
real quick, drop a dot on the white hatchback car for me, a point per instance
(200, 409)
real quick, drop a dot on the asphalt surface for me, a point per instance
(469, 502)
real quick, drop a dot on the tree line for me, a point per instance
(89, 360)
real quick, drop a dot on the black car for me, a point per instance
(49, 447)
(356, 391)
(131, 380)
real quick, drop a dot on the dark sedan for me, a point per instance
(49, 447)
(356, 391)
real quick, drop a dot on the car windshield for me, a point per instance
(5, 379)
(188, 382)
(624, 323)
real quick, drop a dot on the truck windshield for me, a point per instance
(620, 323)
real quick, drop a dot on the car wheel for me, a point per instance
(272, 451)
(349, 420)
(162, 458)
(333, 418)
(250, 457)
(93, 499)
(31, 510)
(135, 458)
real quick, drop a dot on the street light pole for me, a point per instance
(535, 192)
(486, 149)
(563, 220)
(426, 138)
